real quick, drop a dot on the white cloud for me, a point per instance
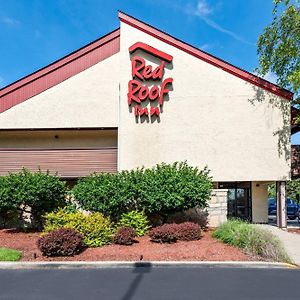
(271, 77)
(2, 82)
(9, 21)
(202, 11)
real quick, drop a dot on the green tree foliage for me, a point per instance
(292, 189)
(279, 46)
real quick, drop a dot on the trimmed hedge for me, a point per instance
(163, 189)
(96, 229)
(61, 242)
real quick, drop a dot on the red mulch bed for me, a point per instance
(294, 230)
(205, 249)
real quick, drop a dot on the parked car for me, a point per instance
(292, 208)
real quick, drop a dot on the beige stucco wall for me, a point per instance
(88, 99)
(58, 139)
(212, 118)
(259, 202)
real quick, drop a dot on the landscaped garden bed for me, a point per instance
(141, 214)
(205, 249)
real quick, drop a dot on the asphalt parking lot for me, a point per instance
(290, 223)
(148, 283)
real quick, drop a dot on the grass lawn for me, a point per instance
(7, 254)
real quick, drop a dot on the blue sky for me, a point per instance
(34, 33)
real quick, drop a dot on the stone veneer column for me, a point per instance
(217, 210)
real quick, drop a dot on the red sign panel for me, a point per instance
(139, 92)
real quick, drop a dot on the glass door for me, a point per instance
(238, 199)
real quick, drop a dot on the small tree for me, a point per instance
(279, 46)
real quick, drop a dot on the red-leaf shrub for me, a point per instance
(61, 242)
(194, 215)
(188, 231)
(125, 236)
(165, 233)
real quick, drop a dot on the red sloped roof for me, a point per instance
(103, 48)
(247, 76)
(60, 70)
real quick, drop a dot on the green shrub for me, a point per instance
(104, 192)
(136, 220)
(163, 189)
(96, 229)
(8, 205)
(169, 188)
(41, 192)
(252, 239)
(7, 254)
(6, 201)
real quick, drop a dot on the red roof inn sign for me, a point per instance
(139, 93)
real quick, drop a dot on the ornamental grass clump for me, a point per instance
(254, 240)
(125, 236)
(61, 242)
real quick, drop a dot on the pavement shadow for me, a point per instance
(140, 269)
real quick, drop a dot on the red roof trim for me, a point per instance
(60, 70)
(151, 50)
(247, 76)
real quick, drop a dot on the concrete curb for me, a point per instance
(145, 264)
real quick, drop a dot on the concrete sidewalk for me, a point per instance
(291, 241)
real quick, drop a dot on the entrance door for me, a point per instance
(239, 199)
